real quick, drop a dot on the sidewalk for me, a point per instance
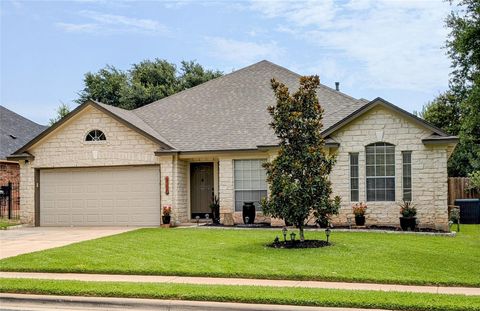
(472, 291)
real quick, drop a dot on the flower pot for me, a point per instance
(166, 220)
(360, 220)
(248, 211)
(408, 223)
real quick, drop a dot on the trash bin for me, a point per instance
(469, 210)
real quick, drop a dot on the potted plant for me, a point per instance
(166, 210)
(215, 208)
(359, 210)
(408, 219)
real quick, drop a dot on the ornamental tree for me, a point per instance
(299, 176)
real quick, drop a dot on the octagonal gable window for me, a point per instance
(95, 135)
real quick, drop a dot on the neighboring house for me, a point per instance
(102, 165)
(15, 131)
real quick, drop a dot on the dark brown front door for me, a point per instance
(201, 188)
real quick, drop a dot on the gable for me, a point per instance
(388, 106)
(381, 124)
(66, 145)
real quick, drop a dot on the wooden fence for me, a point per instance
(459, 188)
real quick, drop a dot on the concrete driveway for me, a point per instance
(31, 239)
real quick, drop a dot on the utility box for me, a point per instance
(469, 210)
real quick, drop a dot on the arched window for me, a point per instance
(380, 172)
(95, 135)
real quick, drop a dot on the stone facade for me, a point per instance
(66, 147)
(429, 169)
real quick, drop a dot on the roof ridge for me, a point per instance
(130, 112)
(338, 92)
(216, 79)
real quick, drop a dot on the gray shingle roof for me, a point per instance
(230, 112)
(136, 121)
(15, 131)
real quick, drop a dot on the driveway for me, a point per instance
(31, 239)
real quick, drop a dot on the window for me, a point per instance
(407, 175)
(380, 172)
(354, 177)
(250, 182)
(95, 135)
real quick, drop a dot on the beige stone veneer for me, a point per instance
(65, 147)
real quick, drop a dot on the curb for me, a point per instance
(153, 304)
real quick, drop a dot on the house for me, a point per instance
(15, 131)
(105, 166)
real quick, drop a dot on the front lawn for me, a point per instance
(355, 256)
(248, 294)
(5, 223)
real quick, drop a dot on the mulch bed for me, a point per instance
(298, 244)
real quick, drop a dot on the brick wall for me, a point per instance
(10, 173)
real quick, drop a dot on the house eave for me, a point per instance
(440, 140)
(21, 156)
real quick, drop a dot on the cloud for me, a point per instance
(68, 27)
(243, 52)
(391, 44)
(110, 23)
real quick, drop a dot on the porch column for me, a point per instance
(225, 191)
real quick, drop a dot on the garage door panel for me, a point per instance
(115, 196)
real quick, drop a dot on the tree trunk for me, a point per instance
(302, 237)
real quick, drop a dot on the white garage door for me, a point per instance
(113, 196)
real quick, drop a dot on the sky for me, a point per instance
(389, 49)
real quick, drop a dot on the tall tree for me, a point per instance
(143, 83)
(61, 111)
(458, 110)
(444, 105)
(299, 175)
(108, 86)
(193, 74)
(463, 47)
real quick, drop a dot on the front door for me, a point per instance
(201, 189)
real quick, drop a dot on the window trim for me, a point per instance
(102, 133)
(350, 154)
(409, 152)
(375, 177)
(234, 183)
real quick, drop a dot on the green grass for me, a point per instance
(5, 223)
(247, 294)
(355, 257)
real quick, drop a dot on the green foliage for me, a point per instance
(371, 257)
(298, 176)
(332, 298)
(62, 111)
(408, 209)
(435, 112)
(144, 83)
(458, 110)
(475, 180)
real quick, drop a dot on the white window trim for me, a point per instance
(374, 177)
(234, 184)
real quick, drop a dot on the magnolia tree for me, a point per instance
(298, 176)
